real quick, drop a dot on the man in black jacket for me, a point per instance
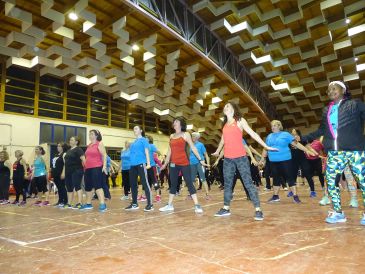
(342, 126)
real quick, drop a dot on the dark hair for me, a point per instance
(77, 139)
(41, 149)
(298, 132)
(97, 134)
(237, 113)
(64, 146)
(150, 139)
(142, 131)
(346, 94)
(182, 123)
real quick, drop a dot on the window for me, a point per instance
(54, 133)
(99, 108)
(165, 127)
(150, 122)
(119, 117)
(51, 97)
(77, 96)
(135, 116)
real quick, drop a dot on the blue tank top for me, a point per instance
(39, 167)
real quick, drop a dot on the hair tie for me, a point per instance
(341, 84)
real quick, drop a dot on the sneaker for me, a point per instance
(86, 207)
(362, 222)
(37, 203)
(124, 198)
(198, 209)
(313, 194)
(22, 203)
(208, 197)
(45, 203)
(14, 203)
(149, 208)
(353, 202)
(296, 199)
(60, 205)
(222, 212)
(5, 202)
(274, 199)
(56, 205)
(324, 201)
(139, 198)
(157, 199)
(102, 208)
(77, 206)
(167, 208)
(188, 197)
(335, 217)
(290, 194)
(143, 199)
(132, 207)
(259, 216)
(67, 206)
(177, 193)
(285, 188)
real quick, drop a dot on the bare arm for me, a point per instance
(254, 151)
(147, 152)
(220, 156)
(102, 150)
(220, 146)
(207, 158)
(187, 138)
(245, 126)
(303, 148)
(24, 164)
(249, 152)
(167, 159)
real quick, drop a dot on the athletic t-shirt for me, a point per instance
(334, 118)
(39, 167)
(201, 150)
(152, 149)
(72, 160)
(125, 158)
(281, 141)
(57, 165)
(137, 151)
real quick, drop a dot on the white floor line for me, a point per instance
(108, 226)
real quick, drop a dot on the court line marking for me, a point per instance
(22, 243)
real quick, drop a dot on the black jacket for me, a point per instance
(350, 132)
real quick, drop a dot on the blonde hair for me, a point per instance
(19, 152)
(277, 123)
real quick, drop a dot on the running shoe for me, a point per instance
(335, 217)
(198, 209)
(143, 198)
(5, 202)
(313, 194)
(139, 198)
(222, 212)
(61, 205)
(86, 207)
(157, 199)
(67, 206)
(259, 216)
(353, 202)
(167, 208)
(296, 199)
(124, 198)
(22, 203)
(324, 201)
(38, 203)
(362, 222)
(274, 199)
(290, 194)
(45, 203)
(132, 207)
(102, 208)
(149, 208)
(14, 202)
(77, 206)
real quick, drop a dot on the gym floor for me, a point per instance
(292, 238)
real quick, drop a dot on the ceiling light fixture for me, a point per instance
(135, 47)
(348, 20)
(356, 59)
(73, 16)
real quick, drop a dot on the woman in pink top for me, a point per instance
(235, 158)
(95, 166)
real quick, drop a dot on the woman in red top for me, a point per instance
(177, 156)
(235, 158)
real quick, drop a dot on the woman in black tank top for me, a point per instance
(20, 178)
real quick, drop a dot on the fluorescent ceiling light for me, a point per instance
(348, 20)
(356, 59)
(73, 16)
(360, 67)
(189, 127)
(135, 47)
(200, 101)
(216, 100)
(356, 30)
(279, 86)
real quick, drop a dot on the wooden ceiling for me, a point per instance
(170, 82)
(303, 44)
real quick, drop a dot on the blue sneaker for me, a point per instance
(296, 199)
(290, 194)
(313, 194)
(335, 217)
(362, 222)
(86, 207)
(274, 199)
(102, 208)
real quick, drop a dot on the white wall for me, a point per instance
(22, 132)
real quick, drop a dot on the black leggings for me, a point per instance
(303, 164)
(21, 187)
(61, 187)
(4, 187)
(283, 169)
(141, 171)
(174, 174)
(125, 181)
(316, 169)
(152, 178)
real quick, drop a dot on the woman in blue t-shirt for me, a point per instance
(281, 161)
(125, 166)
(140, 162)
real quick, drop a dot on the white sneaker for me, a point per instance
(167, 208)
(198, 209)
(124, 198)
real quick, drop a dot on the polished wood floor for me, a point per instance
(292, 238)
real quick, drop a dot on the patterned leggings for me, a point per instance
(336, 163)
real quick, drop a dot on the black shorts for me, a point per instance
(41, 183)
(94, 178)
(73, 180)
